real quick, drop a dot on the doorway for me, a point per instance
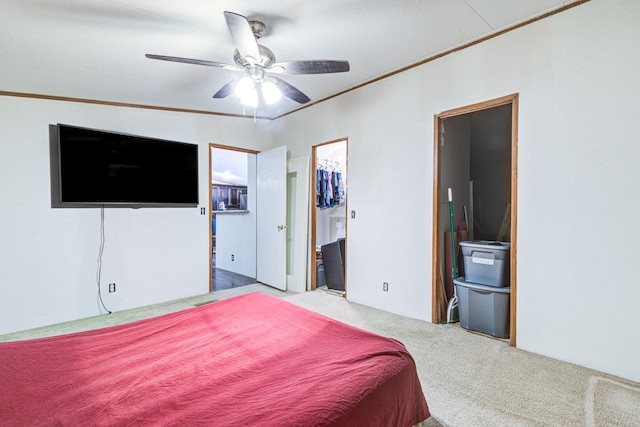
(329, 216)
(475, 154)
(232, 194)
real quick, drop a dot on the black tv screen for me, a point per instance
(100, 168)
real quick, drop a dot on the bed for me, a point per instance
(251, 360)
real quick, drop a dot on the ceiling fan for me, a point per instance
(259, 66)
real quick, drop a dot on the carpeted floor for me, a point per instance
(474, 380)
(468, 379)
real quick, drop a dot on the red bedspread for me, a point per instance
(251, 360)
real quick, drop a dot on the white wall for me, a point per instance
(576, 73)
(389, 171)
(48, 257)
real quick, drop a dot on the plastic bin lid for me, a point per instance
(487, 244)
(470, 285)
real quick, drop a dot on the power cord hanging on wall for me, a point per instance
(100, 252)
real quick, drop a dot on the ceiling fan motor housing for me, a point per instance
(257, 28)
(267, 58)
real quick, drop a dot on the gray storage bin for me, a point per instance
(483, 308)
(320, 279)
(333, 262)
(486, 262)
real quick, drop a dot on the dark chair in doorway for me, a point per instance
(333, 261)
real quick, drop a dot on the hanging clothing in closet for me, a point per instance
(338, 188)
(324, 195)
(329, 188)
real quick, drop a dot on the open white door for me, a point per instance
(271, 213)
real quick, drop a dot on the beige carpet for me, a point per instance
(474, 380)
(468, 379)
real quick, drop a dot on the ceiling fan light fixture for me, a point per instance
(246, 90)
(244, 87)
(270, 92)
(251, 100)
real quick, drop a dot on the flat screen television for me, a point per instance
(93, 168)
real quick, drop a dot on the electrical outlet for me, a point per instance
(232, 257)
(385, 286)
(112, 287)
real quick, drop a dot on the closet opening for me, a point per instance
(232, 236)
(329, 217)
(475, 167)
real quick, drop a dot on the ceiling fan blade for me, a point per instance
(194, 61)
(226, 89)
(290, 92)
(242, 35)
(313, 67)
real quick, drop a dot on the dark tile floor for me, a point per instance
(224, 279)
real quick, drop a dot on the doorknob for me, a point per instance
(281, 227)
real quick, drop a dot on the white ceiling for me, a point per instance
(94, 49)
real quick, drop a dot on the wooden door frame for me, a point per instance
(436, 295)
(312, 201)
(222, 147)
